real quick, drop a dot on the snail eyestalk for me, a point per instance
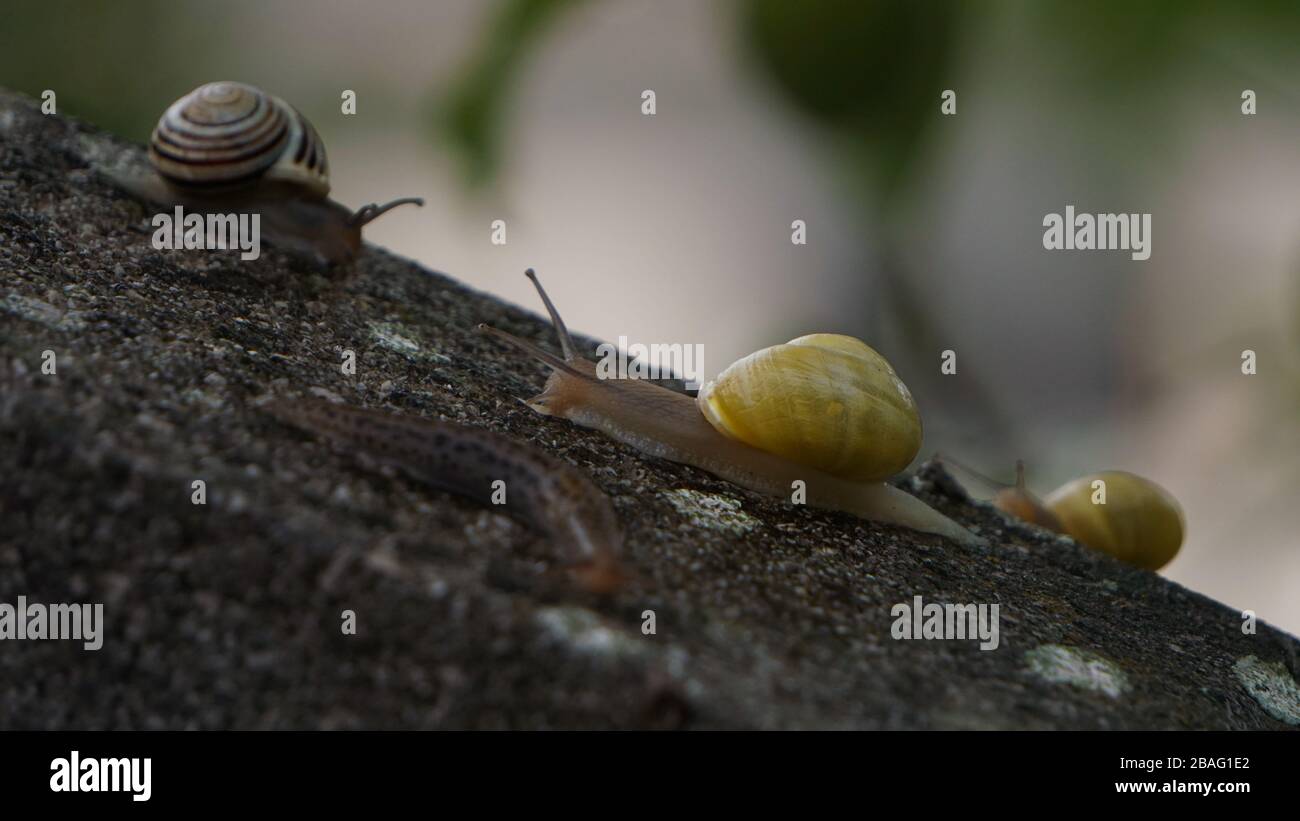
(986, 479)
(369, 213)
(566, 342)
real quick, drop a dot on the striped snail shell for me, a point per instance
(227, 134)
(231, 147)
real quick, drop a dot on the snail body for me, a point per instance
(670, 425)
(1139, 523)
(1021, 503)
(544, 493)
(228, 146)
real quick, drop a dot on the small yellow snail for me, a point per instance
(826, 410)
(230, 147)
(1138, 522)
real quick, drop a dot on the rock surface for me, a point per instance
(227, 615)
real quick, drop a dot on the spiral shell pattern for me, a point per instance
(229, 134)
(827, 401)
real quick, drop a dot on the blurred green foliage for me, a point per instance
(112, 63)
(470, 116)
(872, 71)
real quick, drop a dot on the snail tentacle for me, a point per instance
(367, 214)
(566, 342)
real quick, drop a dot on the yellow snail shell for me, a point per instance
(1140, 523)
(228, 134)
(824, 400)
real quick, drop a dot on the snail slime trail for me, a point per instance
(195, 231)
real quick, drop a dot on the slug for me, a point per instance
(543, 493)
(670, 425)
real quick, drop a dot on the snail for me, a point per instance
(542, 492)
(1139, 523)
(228, 146)
(823, 409)
(1020, 502)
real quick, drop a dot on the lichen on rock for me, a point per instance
(1077, 667)
(1272, 685)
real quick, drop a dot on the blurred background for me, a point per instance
(924, 231)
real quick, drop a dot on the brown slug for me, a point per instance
(542, 492)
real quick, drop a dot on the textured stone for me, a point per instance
(228, 615)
